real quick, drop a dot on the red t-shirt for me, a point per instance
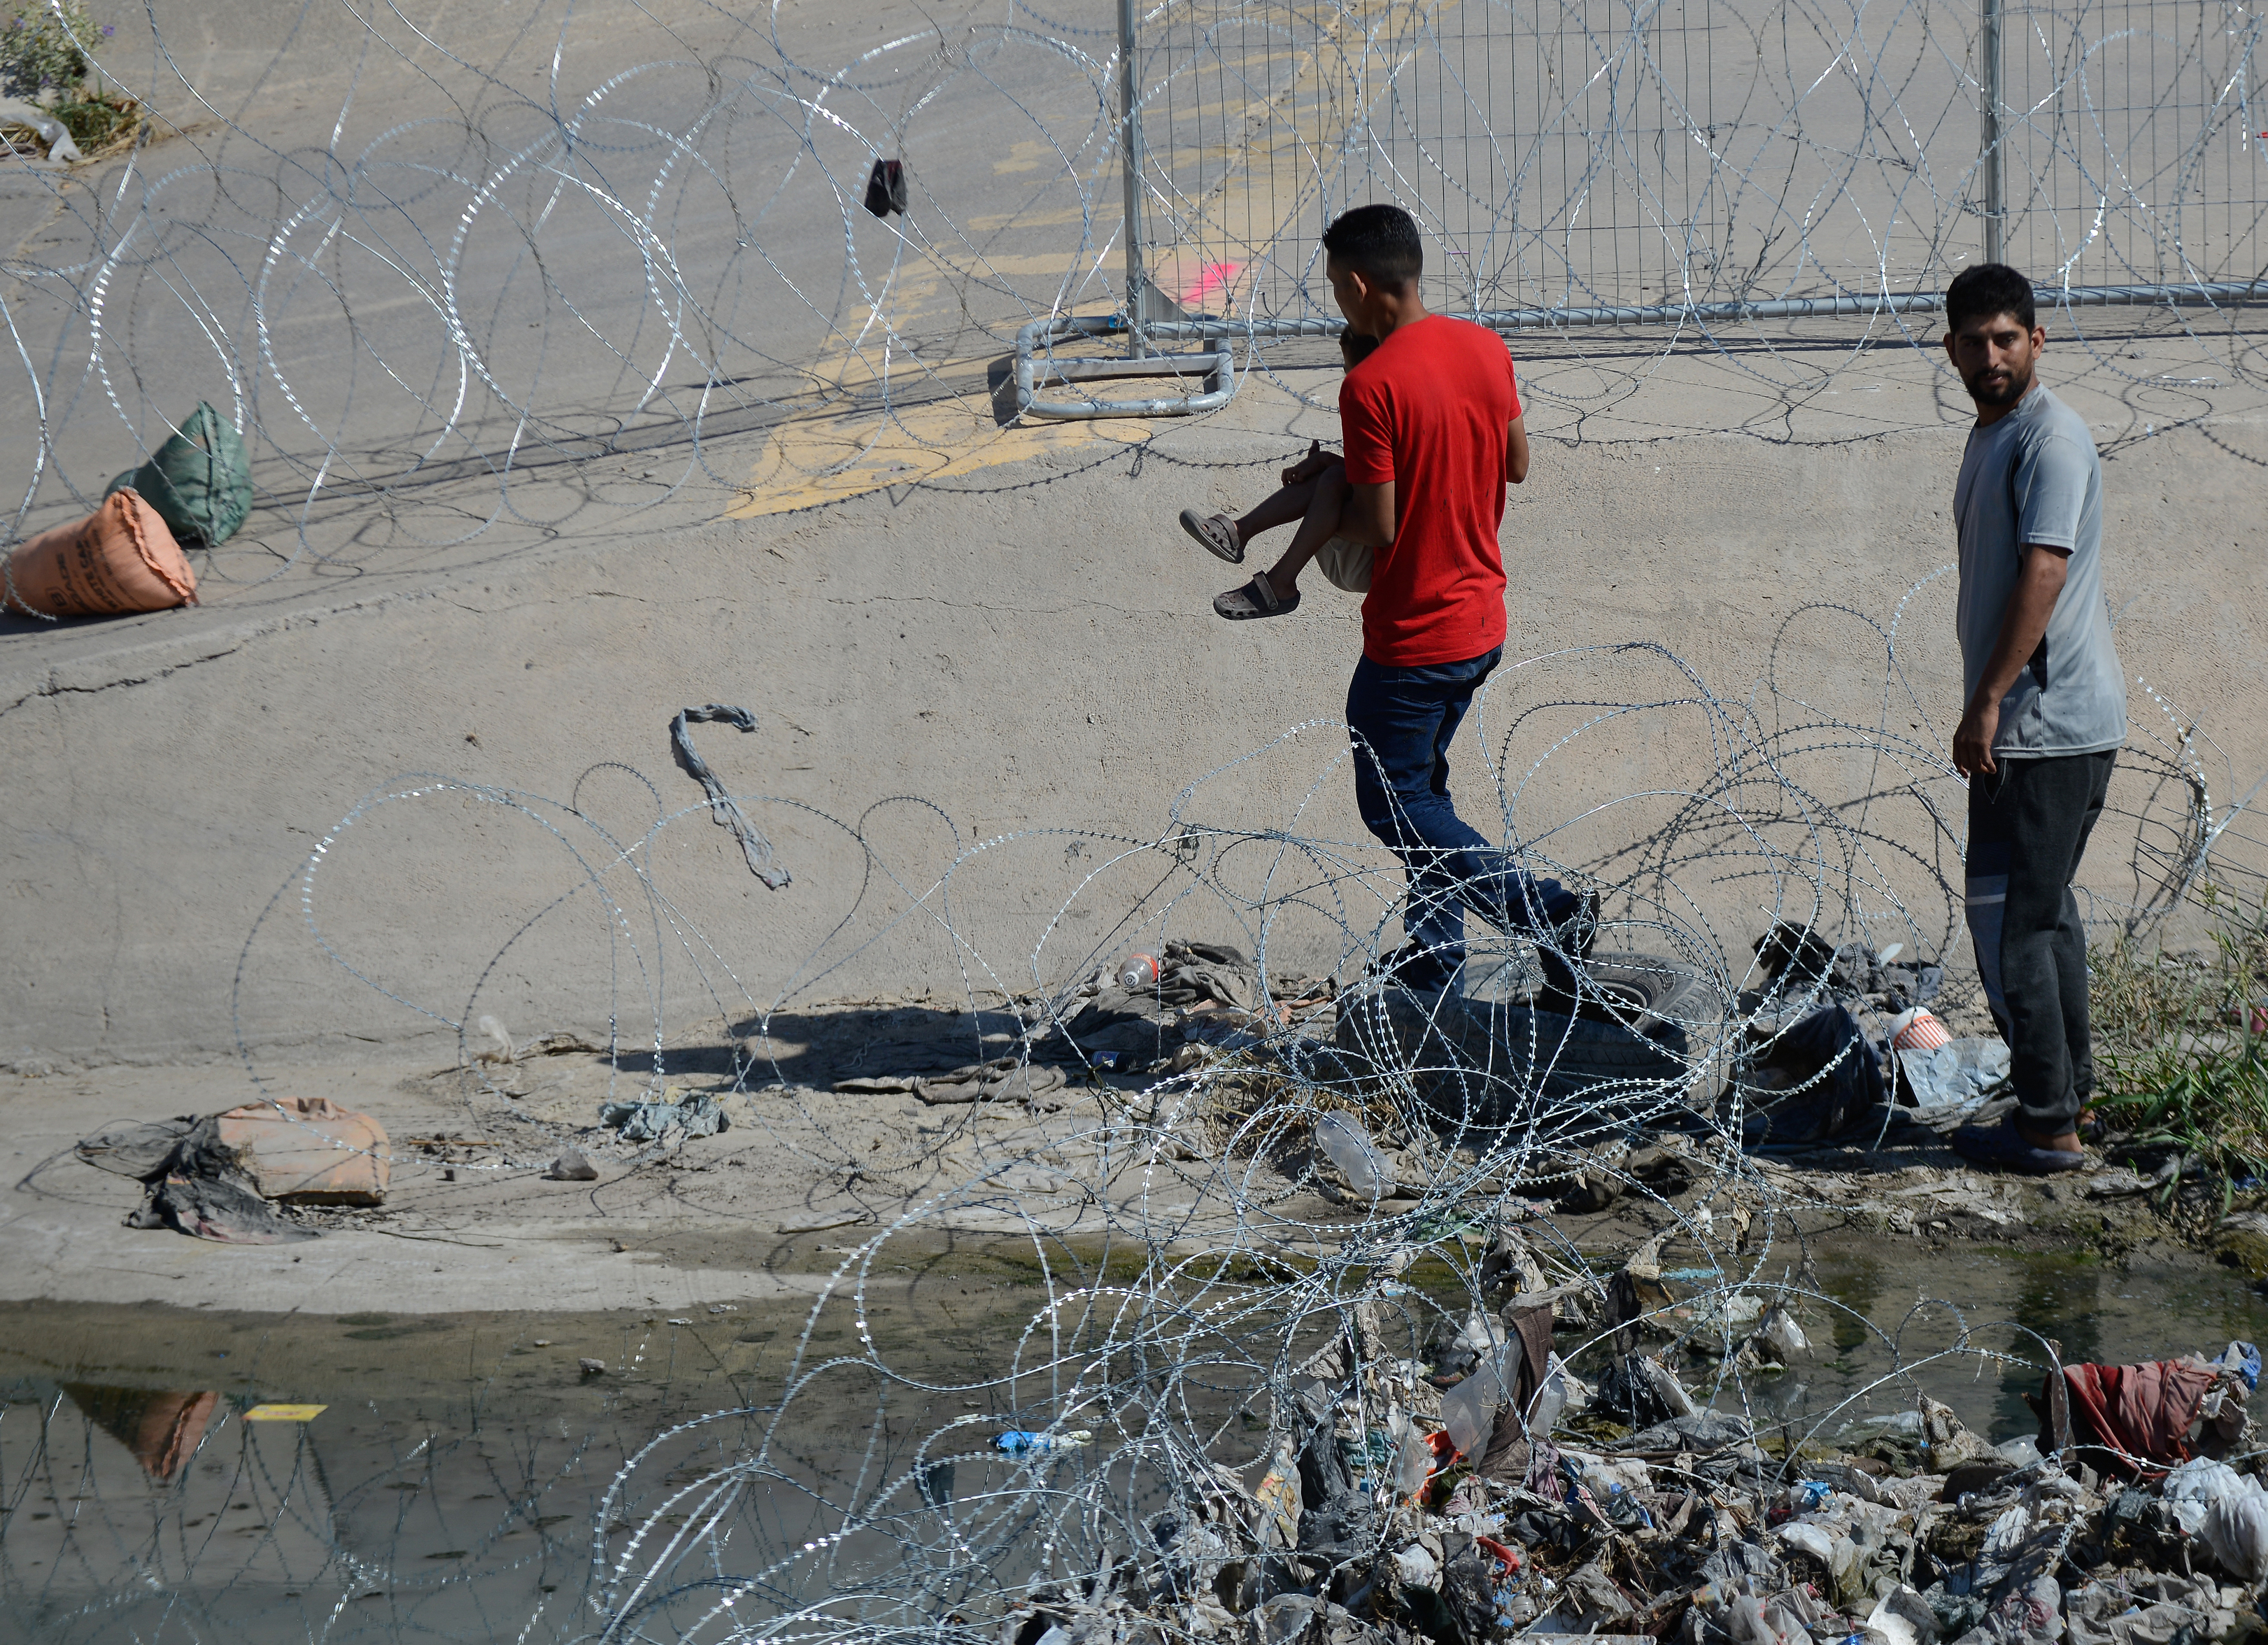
(1429, 411)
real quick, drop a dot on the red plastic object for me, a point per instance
(1507, 1557)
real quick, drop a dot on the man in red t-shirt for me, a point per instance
(1434, 434)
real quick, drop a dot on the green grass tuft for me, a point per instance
(2180, 1057)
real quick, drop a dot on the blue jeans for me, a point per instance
(1402, 721)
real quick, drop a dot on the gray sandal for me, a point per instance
(1217, 531)
(1256, 599)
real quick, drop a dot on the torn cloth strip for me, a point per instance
(2144, 1413)
(753, 845)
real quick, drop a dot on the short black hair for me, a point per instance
(1378, 242)
(1987, 289)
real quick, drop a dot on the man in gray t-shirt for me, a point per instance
(2045, 711)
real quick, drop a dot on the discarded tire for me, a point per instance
(1664, 1000)
(1476, 1066)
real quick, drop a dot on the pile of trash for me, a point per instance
(1812, 1070)
(1486, 1494)
(1836, 1040)
(1158, 1014)
(222, 1177)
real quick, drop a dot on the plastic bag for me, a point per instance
(1469, 1409)
(1551, 1401)
(199, 481)
(2192, 1490)
(1782, 1336)
(1413, 1457)
(1955, 1076)
(2237, 1530)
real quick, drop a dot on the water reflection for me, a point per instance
(122, 1499)
(466, 1480)
(161, 1428)
(430, 1499)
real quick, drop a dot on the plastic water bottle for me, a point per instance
(1138, 972)
(1346, 1144)
(1551, 1400)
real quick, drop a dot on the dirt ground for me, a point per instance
(804, 1177)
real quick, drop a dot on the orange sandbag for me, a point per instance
(309, 1148)
(119, 559)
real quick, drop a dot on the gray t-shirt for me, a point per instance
(2033, 476)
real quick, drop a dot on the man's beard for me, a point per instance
(2004, 394)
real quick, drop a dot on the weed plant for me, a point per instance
(2181, 1053)
(47, 57)
(48, 48)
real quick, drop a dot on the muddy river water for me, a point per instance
(191, 1475)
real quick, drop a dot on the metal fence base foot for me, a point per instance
(1035, 366)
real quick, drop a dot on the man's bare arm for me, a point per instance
(2025, 625)
(1515, 450)
(1368, 517)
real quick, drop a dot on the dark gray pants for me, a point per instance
(2028, 828)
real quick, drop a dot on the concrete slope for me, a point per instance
(1028, 649)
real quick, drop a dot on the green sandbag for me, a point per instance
(200, 481)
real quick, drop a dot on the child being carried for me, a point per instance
(1313, 493)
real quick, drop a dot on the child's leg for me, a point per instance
(1280, 507)
(1318, 526)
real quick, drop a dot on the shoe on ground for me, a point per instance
(2002, 1147)
(1420, 971)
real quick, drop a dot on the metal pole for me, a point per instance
(1130, 152)
(1996, 158)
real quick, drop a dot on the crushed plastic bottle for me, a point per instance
(1346, 1144)
(1023, 1441)
(1468, 1408)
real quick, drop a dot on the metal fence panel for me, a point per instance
(2135, 148)
(1569, 154)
